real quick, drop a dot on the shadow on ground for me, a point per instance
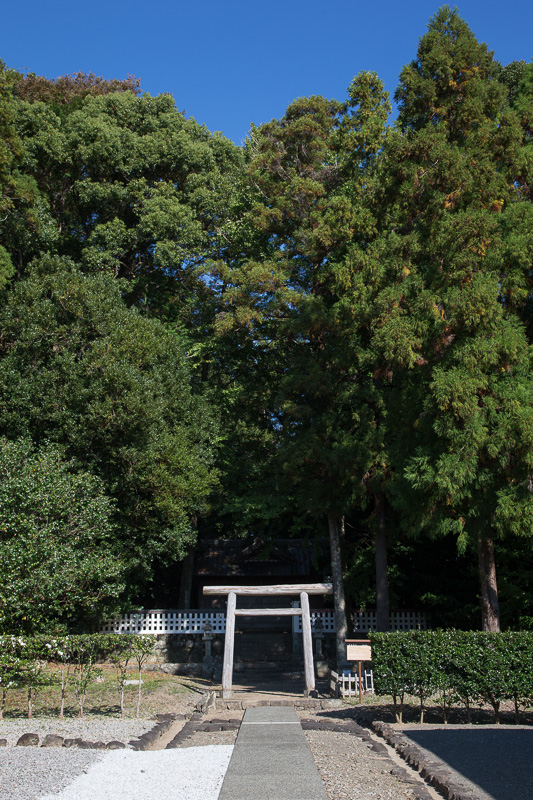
(496, 760)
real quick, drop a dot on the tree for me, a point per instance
(308, 170)
(445, 318)
(128, 186)
(60, 562)
(14, 188)
(68, 89)
(78, 368)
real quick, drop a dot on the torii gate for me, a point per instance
(303, 589)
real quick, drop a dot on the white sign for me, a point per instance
(358, 650)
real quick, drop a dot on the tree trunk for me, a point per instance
(382, 583)
(139, 690)
(184, 600)
(490, 608)
(336, 525)
(348, 599)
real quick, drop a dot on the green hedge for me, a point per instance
(465, 667)
(74, 659)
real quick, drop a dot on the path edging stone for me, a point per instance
(146, 740)
(434, 772)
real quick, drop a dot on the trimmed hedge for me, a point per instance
(23, 658)
(465, 667)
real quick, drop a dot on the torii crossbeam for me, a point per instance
(302, 589)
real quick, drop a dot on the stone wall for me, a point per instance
(186, 655)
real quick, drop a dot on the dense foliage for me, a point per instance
(326, 331)
(60, 559)
(466, 667)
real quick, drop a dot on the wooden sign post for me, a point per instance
(304, 590)
(359, 650)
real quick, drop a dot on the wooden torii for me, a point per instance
(303, 589)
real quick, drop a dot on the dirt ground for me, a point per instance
(161, 694)
(173, 694)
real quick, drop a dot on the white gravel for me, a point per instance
(192, 774)
(93, 729)
(26, 773)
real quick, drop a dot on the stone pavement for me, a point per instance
(272, 759)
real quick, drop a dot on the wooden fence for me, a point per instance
(346, 683)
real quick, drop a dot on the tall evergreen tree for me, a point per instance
(444, 319)
(310, 168)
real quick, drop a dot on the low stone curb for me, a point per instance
(144, 742)
(432, 771)
(327, 704)
(149, 738)
(351, 727)
(197, 724)
(53, 740)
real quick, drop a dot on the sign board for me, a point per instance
(358, 650)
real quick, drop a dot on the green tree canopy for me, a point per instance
(61, 563)
(128, 186)
(79, 368)
(455, 279)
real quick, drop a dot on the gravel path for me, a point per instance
(26, 773)
(203, 739)
(194, 770)
(172, 774)
(94, 729)
(351, 772)
(59, 774)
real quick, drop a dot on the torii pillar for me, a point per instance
(302, 589)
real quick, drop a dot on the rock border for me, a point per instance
(54, 740)
(148, 739)
(196, 724)
(431, 770)
(143, 742)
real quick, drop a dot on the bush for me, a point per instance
(462, 666)
(58, 558)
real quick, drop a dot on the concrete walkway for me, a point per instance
(272, 759)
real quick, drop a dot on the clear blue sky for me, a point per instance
(230, 63)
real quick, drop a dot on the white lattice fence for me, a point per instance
(326, 616)
(399, 621)
(366, 621)
(184, 622)
(166, 621)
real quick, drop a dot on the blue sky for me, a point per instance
(228, 64)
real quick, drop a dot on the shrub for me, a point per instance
(461, 666)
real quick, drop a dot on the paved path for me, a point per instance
(272, 759)
(493, 763)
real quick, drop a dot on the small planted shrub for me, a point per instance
(74, 662)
